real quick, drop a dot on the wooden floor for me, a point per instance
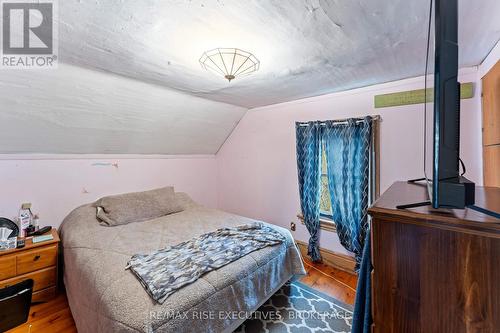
(334, 282)
(55, 316)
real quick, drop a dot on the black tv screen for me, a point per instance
(442, 110)
(445, 182)
(429, 103)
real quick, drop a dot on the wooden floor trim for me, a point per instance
(331, 258)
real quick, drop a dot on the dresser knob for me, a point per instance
(36, 258)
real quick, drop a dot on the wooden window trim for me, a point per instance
(324, 223)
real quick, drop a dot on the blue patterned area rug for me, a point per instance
(297, 308)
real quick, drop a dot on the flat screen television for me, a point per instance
(446, 185)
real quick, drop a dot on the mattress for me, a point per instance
(105, 297)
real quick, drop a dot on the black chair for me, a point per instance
(15, 304)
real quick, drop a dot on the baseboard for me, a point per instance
(334, 259)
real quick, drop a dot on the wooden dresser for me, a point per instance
(33, 261)
(435, 271)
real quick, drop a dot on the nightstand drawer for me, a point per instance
(36, 259)
(42, 279)
(7, 267)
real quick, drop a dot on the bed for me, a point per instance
(105, 297)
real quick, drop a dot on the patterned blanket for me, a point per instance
(167, 270)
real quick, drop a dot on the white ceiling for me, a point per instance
(306, 47)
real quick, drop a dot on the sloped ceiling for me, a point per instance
(129, 80)
(79, 111)
(306, 47)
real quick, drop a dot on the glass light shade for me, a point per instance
(229, 62)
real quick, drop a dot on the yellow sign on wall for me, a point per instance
(417, 96)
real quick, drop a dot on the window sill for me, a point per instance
(324, 223)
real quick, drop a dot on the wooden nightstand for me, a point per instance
(33, 261)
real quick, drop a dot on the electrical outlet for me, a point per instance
(292, 226)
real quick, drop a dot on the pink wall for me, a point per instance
(59, 183)
(254, 173)
(257, 175)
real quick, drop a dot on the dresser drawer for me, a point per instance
(7, 267)
(42, 279)
(44, 295)
(36, 259)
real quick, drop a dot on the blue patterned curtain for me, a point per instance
(347, 148)
(308, 165)
(362, 316)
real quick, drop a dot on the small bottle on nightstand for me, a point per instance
(36, 222)
(25, 217)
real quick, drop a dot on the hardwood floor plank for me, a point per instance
(334, 282)
(310, 278)
(336, 290)
(53, 316)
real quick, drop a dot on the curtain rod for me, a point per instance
(341, 121)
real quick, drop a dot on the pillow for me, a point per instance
(185, 201)
(135, 207)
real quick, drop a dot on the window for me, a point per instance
(325, 207)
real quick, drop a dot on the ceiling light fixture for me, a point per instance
(229, 62)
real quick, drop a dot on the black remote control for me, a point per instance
(20, 243)
(40, 231)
